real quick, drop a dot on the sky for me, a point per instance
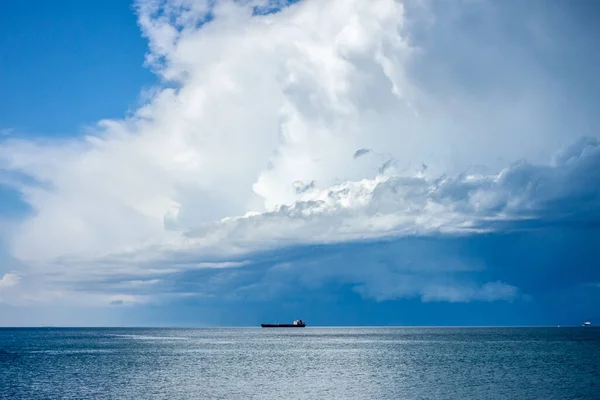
(346, 162)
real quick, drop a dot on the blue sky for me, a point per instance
(356, 162)
(68, 64)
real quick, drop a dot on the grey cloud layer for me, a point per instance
(423, 219)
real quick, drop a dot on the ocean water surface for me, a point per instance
(309, 363)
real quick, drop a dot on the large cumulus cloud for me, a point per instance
(319, 122)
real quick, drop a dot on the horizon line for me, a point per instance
(254, 326)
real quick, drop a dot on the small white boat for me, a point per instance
(586, 323)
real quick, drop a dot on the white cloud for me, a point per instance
(125, 299)
(9, 287)
(409, 287)
(304, 126)
(9, 280)
(491, 291)
(393, 206)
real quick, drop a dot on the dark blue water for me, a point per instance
(310, 363)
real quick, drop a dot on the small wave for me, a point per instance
(67, 352)
(6, 353)
(144, 337)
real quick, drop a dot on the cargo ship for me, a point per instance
(297, 324)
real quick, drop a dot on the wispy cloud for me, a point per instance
(9, 280)
(9, 287)
(361, 152)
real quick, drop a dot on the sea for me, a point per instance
(300, 363)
